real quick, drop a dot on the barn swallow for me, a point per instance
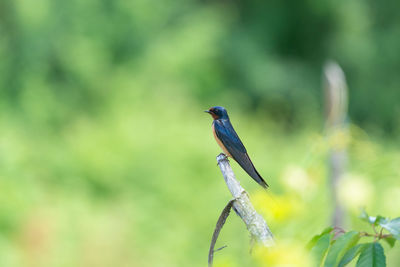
(230, 143)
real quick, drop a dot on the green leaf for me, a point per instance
(372, 256)
(379, 219)
(393, 227)
(351, 254)
(321, 246)
(372, 219)
(390, 240)
(339, 248)
(315, 238)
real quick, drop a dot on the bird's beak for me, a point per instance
(207, 111)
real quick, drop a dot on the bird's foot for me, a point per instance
(221, 157)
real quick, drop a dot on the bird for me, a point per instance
(231, 144)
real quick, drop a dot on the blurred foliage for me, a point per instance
(266, 54)
(106, 158)
(336, 247)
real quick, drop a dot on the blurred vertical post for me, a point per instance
(336, 103)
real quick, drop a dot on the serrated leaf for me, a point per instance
(372, 256)
(339, 248)
(321, 247)
(393, 227)
(351, 254)
(390, 240)
(315, 238)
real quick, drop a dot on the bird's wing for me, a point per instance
(227, 135)
(229, 138)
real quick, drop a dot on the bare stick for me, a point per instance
(221, 221)
(336, 102)
(255, 223)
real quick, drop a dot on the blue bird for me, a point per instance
(230, 142)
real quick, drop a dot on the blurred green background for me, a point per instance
(106, 156)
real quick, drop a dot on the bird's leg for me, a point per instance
(225, 157)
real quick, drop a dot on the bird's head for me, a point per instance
(217, 112)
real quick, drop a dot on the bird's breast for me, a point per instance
(220, 142)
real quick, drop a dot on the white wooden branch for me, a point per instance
(255, 223)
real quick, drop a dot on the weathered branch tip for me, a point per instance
(255, 223)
